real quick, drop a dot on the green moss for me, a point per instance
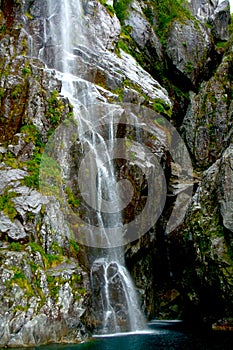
(121, 9)
(149, 14)
(2, 92)
(55, 108)
(26, 70)
(74, 247)
(167, 11)
(108, 7)
(56, 248)
(22, 281)
(189, 67)
(50, 260)
(36, 247)
(16, 246)
(82, 291)
(20, 308)
(50, 176)
(221, 45)
(7, 205)
(28, 15)
(11, 161)
(17, 90)
(160, 106)
(53, 286)
(31, 134)
(123, 46)
(3, 29)
(72, 200)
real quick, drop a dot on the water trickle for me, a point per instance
(115, 303)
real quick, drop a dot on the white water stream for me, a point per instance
(64, 32)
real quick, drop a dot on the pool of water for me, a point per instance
(161, 335)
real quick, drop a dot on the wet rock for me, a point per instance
(188, 47)
(40, 307)
(208, 119)
(11, 177)
(14, 230)
(225, 192)
(220, 20)
(142, 31)
(203, 9)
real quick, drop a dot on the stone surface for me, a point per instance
(207, 124)
(225, 195)
(220, 20)
(188, 46)
(142, 31)
(40, 307)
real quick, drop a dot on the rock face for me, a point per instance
(207, 124)
(41, 300)
(138, 57)
(188, 47)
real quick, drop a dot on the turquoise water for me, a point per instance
(161, 336)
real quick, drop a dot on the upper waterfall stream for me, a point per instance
(115, 301)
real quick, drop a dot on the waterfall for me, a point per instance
(115, 302)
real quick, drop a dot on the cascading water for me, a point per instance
(114, 299)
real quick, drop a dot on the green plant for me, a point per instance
(108, 7)
(3, 29)
(55, 108)
(74, 247)
(189, 67)
(21, 280)
(149, 14)
(221, 45)
(123, 46)
(2, 92)
(26, 71)
(36, 247)
(16, 91)
(121, 9)
(56, 248)
(50, 260)
(28, 15)
(161, 107)
(50, 176)
(31, 134)
(166, 12)
(16, 246)
(7, 205)
(74, 202)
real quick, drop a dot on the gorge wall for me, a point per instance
(171, 58)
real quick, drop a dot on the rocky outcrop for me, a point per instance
(215, 13)
(188, 46)
(210, 243)
(42, 297)
(225, 188)
(220, 20)
(207, 124)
